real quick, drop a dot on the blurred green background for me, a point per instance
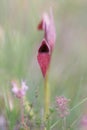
(20, 39)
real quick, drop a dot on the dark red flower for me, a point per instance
(44, 56)
(47, 44)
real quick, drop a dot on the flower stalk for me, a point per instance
(22, 110)
(64, 123)
(46, 97)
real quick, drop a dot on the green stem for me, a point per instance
(80, 103)
(46, 97)
(22, 110)
(75, 122)
(64, 123)
(54, 124)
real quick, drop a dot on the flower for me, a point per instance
(47, 44)
(44, 56)
(84, 121)
(19, 92)
(47, 24)
(62, 106)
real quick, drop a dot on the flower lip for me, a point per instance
(44, 48)
(44, 56)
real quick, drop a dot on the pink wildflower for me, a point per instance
(19, 92)
(84, 121)
(62, 106)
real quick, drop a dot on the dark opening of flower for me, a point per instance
(44, 47)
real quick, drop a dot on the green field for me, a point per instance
(19, 42)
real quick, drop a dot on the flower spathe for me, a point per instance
(44, 56)
(48, 42)
(19, 92)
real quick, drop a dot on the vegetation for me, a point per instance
(19, 43)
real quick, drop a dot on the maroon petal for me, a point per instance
(44, 23)
(44, 56)
(40, 25)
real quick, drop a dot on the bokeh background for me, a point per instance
(19, 42)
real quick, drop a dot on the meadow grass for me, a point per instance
(19, 42)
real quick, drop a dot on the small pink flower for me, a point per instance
(84, 121)
(19, 92)
(62, 106)
(47, 24)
